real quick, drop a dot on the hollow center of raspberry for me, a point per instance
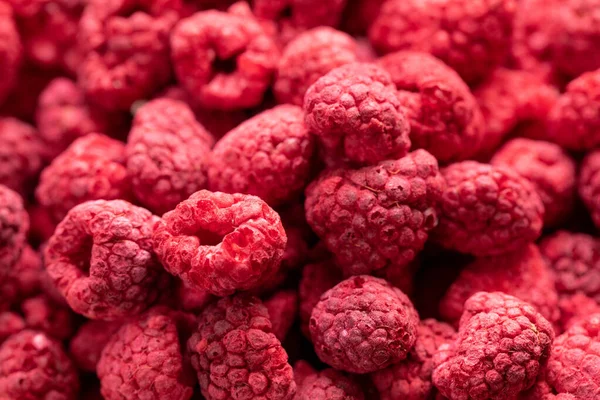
(208, 238)
(225, 66)
(84, 255)
(286, 12)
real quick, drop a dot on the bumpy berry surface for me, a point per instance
(14, 224)
(11, 51)
(377, 216)
(444, 116)
(487, 210)
(100, 258)
(589, 184)
(574, 308)
(363, 324)
(221, 242)
(33, 366)
(503, 343)
(357, 116)
(283, 309)
(329, 384)
(88, 342)
(543, 391)
(236, 356)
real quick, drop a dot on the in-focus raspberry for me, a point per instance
(14, 224)
(329, 384)
(88, 342)
(363, 324)
(589, 184)
(221, 242)
(487, 210)
(283, 309)
(11, 51)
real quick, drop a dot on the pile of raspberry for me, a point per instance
(300, 199)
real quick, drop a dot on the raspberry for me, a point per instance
(221, 242)
(542, 391)
(41, 313)
(10, 51)
(502, 345)
(302, 370)
(309, 56)
(33, 366)
(329, 384)
(471, 36)
(10, 324)
(356, 114)
(192, 299)
(282, 307)
(363, 324)
(267, 156)
(444, 116)
(378, 216)
(574, 308)
(87, 344)
(14, 223)
(224, 60)
(144, 358)
(235, 354)
(589, 184)
(100, 258)
(411, 379)
(23, 279)
(91, 168)
(522, 274)
(487, 210)
(573, 364)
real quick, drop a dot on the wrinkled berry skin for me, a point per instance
(329, 384)
(283, 308)
(487, 210)
(202, 44)
(411, 379)
(100, 258)
(503, 343)
(14, 224)
(309, 56)
(363, 324)
(221, 242)
(357, 116)
(589, 184)
(35, 367)
(444, 117)
(86, 345)
(377, 216)
(235, 354)
(166, 152)
(573, 364)
(11, 51)
(574, 308)
(471, 36)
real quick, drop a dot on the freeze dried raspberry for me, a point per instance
(302, 370)
(282, 307)
(11, 51)
(221, 242)
(235, 354)
(363, 324)
(356, 114)
(167, 152)
(377, 216)
(14, 223)
(87, 344)
(33, 366)
(575, 260)
(444, 117)
(401, 277)
(192, 299)
(411, 379)
(10, 324)
(309, 56)
(522, 274)
(471, 36)
(329, 384)
(502, 345)
(145, 358)
(20, 154)
(91, 168)
(574, 308)
(589, 184)
(267, 156)
(41, 313)
(225, 60)
(573, 365)
(487, 210)
(542, 391)
(100, 258)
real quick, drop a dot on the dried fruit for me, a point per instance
(88, 342)
(329, 384)
(14, 224)
(282, 307)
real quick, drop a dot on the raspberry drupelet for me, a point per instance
(283, 309)
(88, 342)
(357, 116)
(100, 258)
(329, 384)
(14, 224)
(11, 51)
(363, 324)
(589, 184)
(235, 354)
(221, 242)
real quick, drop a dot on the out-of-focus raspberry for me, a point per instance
(359, 15)
(42, 224)
(87, 344)
(550, 170)
(10, 324)
(224, 60)
(100, 258)
(221, 242)
(309, 56)
(377, 216)
(363, 324)
(33, 366)
(11, 51)
(14, 224)
(522, 274)
(411, 379)
(573, 365)
(145, 358)
(283, 308)
(21, 103)
(444, 116)
(22, 280)
(356, 114)
(589, 184)
(302, 370)
(235, 354)
(576, 307)
(91, 168)
(471, 36)
(401, 277)
(329, 384)
(487, 210)
(192, 299)
(41, 313)
(503, 343)
(267, 156)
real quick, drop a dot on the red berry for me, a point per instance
(329, 384)
(14, 224)
(283, 308)
(88, 342)
(11, 51)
